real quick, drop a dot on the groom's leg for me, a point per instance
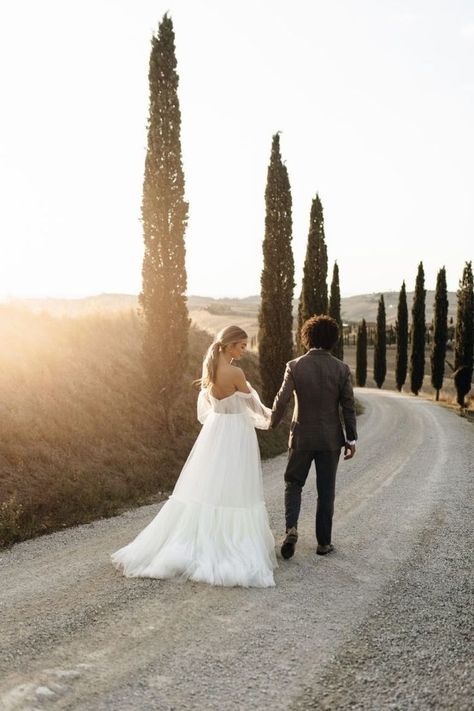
(297, 468)
(326, 467)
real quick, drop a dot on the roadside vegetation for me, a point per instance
(81, 437)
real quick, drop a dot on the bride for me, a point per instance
(214, 527)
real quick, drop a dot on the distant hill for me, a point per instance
(355, 308)
(209, 312)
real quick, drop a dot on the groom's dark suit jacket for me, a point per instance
(324, 400)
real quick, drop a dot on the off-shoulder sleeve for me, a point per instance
(203, 405)
(258, 412)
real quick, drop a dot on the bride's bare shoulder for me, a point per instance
(240, 381)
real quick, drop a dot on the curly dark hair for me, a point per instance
(320, 332)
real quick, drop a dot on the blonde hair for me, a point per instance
(227, 337)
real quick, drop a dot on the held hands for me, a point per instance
(349, 450)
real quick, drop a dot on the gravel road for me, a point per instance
(385, 622)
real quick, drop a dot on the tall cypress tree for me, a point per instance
(164, 218)
(314, 291)
(380, 345)
(401, 366)
(335, 311)
(275, 319)
(417, 360)
(361, 354)
(440, 332)
(464, 335)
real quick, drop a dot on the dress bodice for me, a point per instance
(247, 404)
(230, 405)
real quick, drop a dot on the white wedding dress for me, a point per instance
(214, 527)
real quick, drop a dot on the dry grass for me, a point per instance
(80, 435)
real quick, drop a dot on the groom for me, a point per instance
(323, 391)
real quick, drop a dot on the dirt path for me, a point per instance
(361, 628)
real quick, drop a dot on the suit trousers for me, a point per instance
(297, 469)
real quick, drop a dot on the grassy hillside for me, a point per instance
(80, 434)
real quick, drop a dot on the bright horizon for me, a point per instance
(375, 106)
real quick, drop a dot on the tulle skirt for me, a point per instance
(214, 528)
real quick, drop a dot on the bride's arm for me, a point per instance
(203, 405)
(258, 412)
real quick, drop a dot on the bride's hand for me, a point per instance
(349, 450)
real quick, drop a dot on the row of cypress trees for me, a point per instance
(163, 297)
(464, 338)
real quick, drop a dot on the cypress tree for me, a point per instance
(275, 319)
(164, 218)
(440, 332)
(464, 335)
(361, 354)
(417, 361)
(380, 345)
(401, 366)
(335, 311)
(314, 291)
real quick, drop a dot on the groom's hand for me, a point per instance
(349, 450)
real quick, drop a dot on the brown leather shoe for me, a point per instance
(324, 550)
(288, 546)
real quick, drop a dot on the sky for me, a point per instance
(375, 105)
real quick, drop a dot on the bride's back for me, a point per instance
(226, 379)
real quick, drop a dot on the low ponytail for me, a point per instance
(209, 365)
(228, 336)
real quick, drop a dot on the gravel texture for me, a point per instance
(384, 622)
